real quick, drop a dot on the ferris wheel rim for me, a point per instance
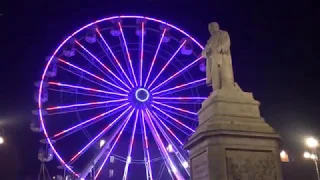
(62, 44)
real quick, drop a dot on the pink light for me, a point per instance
(179, 109)
(95, 76)
(177, 73)
(127, 51)
(166, 127)
(85, 88)
(176, 120)
(85, 104)
(141, 53)
(163, 149)
(104, 66)
(58, 49)
(155, 56)
(113, 145)
(87, 121)
(146, 143)
(165, 66)
(125, 173)
(114, 57)
(99, 135)
(180, 98)
(180, 86)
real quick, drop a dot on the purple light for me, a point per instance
(145, 92)
(180, 98)
(114, 57)
(113, 145)
(149, 170)
(155, 56)
(56, 52)
(180, 142)
(95, 76)
(180, 86)
(176, 120)
(163, 149)
(104, 66)
(127, 51)
(141, 52)
(177, 73)
(85, 88)
(89, 120)
(179, 109)
(98, 136)
(84, 104)
(165, 66)
(125, 173)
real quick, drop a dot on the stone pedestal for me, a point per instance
(232, 141)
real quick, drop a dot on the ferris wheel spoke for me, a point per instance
(93, 75)
(69, 91)
(175, 108)
(114, 57)
(186, 116)
(177, 73)
(112, 147)
(180, 100)
(127, 52)
(155, 56)
(167, 121)
(77, 155)
(85, 88)
(81, 125)
(126, 169)
(176, 120)
(104, 66)
(141, 51)
(172, 167)
(93, 63)
(165, 126)
(180, 157)
(181, 87)
(146, 148)
(85, 104)
(165, 66)
(80, 74)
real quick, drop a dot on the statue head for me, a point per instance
(213, 27)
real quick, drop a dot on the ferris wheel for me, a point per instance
(119, 97)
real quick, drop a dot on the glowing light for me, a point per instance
(170, 148)
(185, 164)
(141, 52)
(165, 66)
(142, 95)
(128, 54)
(284, 156)
(1, 140)
(89, 73)
(306, 155)
(179, 109)
(311, 142)
(102, 142)
(177, 73)
(155, 56)
(114, 57)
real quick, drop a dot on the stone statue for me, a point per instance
(219, 70)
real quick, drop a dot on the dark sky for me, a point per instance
(273, 48)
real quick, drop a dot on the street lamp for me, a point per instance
(312, 143)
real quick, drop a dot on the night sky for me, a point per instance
(273, 48)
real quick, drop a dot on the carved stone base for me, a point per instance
(232, 141)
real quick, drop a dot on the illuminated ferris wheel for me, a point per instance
(119, 98)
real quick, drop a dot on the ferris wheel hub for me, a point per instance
(142, 94)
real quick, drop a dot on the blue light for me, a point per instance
(142, 95)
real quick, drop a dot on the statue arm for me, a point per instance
(206, 50)
(225, 43)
